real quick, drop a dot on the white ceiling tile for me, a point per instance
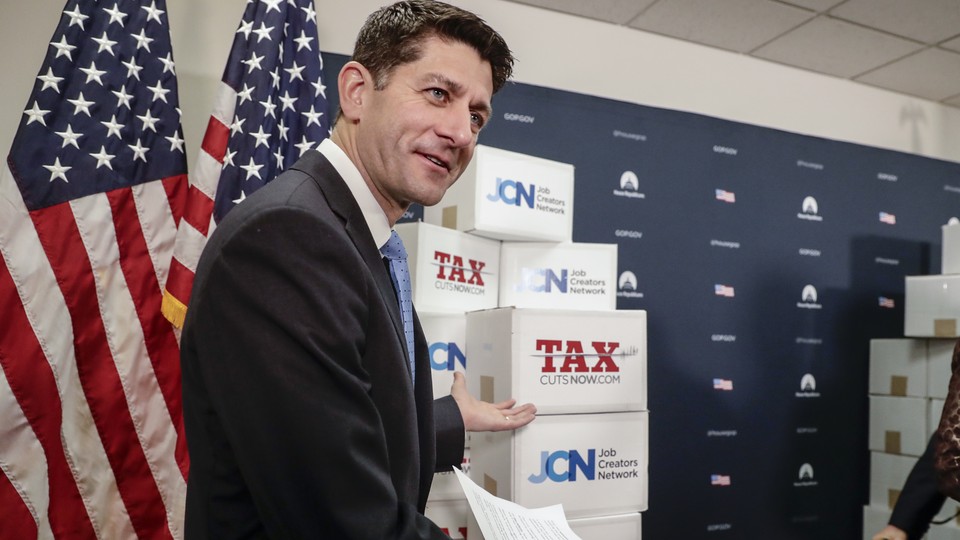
(953, 44)
(815, 5)
(615, 11)
(932, 74)
(929, 21)
(737, 25)
(836, 47)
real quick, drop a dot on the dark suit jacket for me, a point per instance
(919, 500)
(301, 417)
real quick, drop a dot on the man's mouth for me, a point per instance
(437, 161)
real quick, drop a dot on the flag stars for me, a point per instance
(76, 18)
(252, 169)
(133, 70)
(116, 16)
(81, 105)
(228, 158)
(245, 28)
(139, 151)
(253, 63)
(103, 158)
(303, 41)
(176, 142)
(261, 137)
(244, 94)
(295, 71)
(149, 122)
(57, 170)
(321, 89)
(69, 137)
(105, 43)
(312, 116)
(63, 48)
(113, 127)
(283, 130)
(143, 42)
(123, 98)
(276, 77)
(279, 156)
(93, 74)
(269, 107)
(159, 92)
(237, 125)
(243, 197)
(50, 81)
(168, 64)
(287, 101)
(263, 32)
(36, 114)
(310, 13)
(272, 4)
(153, 12)
(304, 145)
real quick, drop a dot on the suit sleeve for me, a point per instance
(920, 500)
(450, 433)
(281, 324)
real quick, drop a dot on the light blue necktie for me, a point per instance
(394, 251)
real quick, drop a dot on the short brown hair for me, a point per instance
(392, 36)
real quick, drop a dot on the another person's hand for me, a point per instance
(890, 533)
(483, 416)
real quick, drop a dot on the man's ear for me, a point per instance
(353, 83)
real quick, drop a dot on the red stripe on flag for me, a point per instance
(179, 281)
(101, 384)
(199, 209)
(34, 388)
(158, 334)
(176, 188)
(16, 518)
(215, 139)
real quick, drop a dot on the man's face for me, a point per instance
(416, 136)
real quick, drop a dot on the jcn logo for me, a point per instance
(450, 355)
(542, 280)
(513, 192)
(562, 466)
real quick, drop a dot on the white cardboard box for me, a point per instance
(509, 196)
(932, 306)
(950, 260)
(593, 464)
(620, 527)
(939, 354)
(445, 485)
(446, 335)
(875, 518)
(451, 516)
(888, 472)
(898, 425)
(948, 531)
(935, 406)
(898, 367)
(562, 361)
(451, 271)
(558, 276)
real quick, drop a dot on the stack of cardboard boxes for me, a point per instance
(504, 295)
(908, 384)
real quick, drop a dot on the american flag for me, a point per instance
(887, 302)
(270, 109)
(723, 290)
(719, 480)
(726, 196)
(888, 218)
(91, 434)
(722, 384)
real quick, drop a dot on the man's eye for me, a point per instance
(476, 120)
(438, 93)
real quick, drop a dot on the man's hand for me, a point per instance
(890, 533)
(483, 416)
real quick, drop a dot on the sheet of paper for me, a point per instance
(500, 519)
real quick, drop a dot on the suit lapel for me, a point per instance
(342, 203)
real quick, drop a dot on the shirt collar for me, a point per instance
(374, 215)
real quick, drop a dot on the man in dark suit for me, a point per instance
(304, 417)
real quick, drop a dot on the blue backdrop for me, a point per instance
(764, 259)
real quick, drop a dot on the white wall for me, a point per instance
(553, 50)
